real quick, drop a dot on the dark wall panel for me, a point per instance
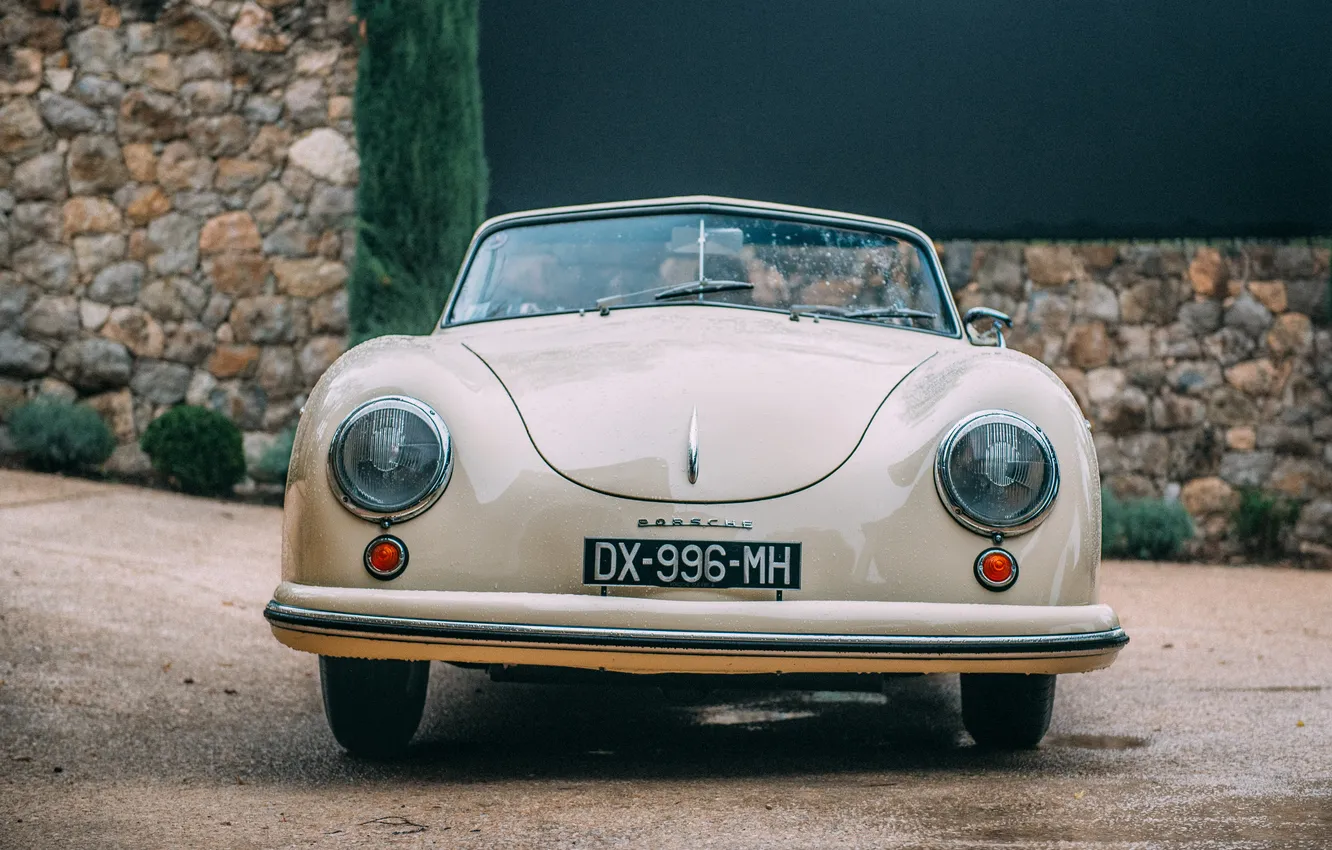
(996, 118)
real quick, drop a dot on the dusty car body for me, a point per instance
(780, 466)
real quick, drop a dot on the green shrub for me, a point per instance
(55, 435)
(1261, 522)
(1148, 529)
(271, 468)
(423, 179)
(196, 448)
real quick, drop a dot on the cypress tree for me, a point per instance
(423, 172)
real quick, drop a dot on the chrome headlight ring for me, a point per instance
(404, 509)
(967, 516)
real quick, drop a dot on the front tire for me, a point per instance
(373, 707)
(1007, 711)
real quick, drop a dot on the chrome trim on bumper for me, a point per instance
(768, 642)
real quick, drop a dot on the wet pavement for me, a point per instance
(145, 704)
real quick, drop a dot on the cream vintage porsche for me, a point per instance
(694, 442)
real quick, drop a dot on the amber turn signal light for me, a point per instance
(386, 557)
(996, 569)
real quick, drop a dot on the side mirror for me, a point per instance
(998, 321)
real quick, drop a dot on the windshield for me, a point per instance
(611, 263)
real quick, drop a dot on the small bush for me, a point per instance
(1261, 522)
(271, 468)
(1147, 529)
(199, 449)
(55, 435)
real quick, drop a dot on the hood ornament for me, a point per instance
(693, 447)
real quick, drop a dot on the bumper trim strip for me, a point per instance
(766, 642)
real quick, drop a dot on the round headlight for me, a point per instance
(391, 458)
(997, 472)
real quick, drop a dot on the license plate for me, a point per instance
(690, 563)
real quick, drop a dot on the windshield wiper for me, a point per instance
(798, 310)
(891, 313)
(702, 287)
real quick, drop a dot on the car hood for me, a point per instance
(608, 400)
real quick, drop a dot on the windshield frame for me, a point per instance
(722, 207)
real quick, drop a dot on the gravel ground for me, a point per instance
(144, 703)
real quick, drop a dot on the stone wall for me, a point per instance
(1203, 369)
(176, 186)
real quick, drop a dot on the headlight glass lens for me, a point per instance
(391, 454)
(998, 470)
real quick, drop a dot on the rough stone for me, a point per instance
(1052, 265)
(262, 110)
(49, 266)
(306, 102)
(35, 221)
(256, 30)
(22, 132)
(270, 144)
(1147, 452)
(1241, 439)
(56, 388)
(180, 169)
(327, 155)
(43, 176)
(1211, 495)
(95, 165)
(190, 343)
(186, 28)
(1151, 300)
(1299, 478)
(1255, 377)
(201, 388)
(317, 355)
(1229, 346)
(53, 317)
(173, 299)
(135, 329)
(21, 73)
(308, 278)
(145, 204)
(160, 382)
(230, 232)
(158, 71)
(92, 315)
(278, 373)
(118, 284)
(96, 50)
(204, 65)
(22, 358)
(299, 182)
(219, 135)
(1271, 294)
(1287, 439)
(117, 409)
(1247, 315)
(94, 253)
(198, 204)
(147, 116)
(1096, 302)
(98, 91)
(207, 97)
(14, 299)
(173, 244)
(217, 310)
(142, 38)
(1247, 469)
(129, 461)
(1200, 317)
(241, 175)
(94, 364)
(1291, 335)
(269, 205)
(237, 273)
(231, 361)
(141, 161)
(66, 116)
(1315, 522)
(1194, 377)
(1171, 412)
(1087, 345)
(329, 315)
(86, 214)
(334, 206)
(263, 319)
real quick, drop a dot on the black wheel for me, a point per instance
(1007, 711)
(373, 707)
